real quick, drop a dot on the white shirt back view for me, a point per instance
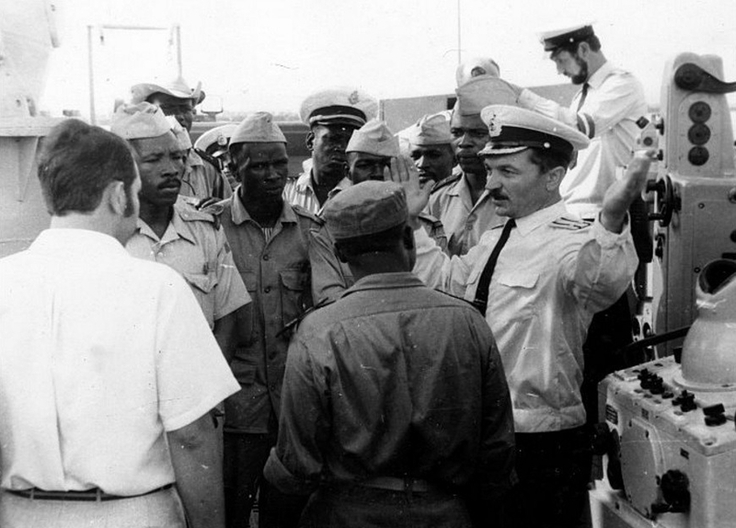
(101, 354)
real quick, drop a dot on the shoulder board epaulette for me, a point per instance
(426, 217)
(208, 158)
(291, 327)
(570, 224)
(452, 178)
(189, 211)
(301, 211)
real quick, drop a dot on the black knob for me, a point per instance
(676, 490)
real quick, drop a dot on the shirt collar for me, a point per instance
(600, 75)
(304, 182)
(530, 222)
(194, 159)
(383, 281)
(177, 228)
(239, 213)
(76, 241)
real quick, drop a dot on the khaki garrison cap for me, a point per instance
(482, 91)
(432, 129)
(139, 121)
(366, 208)
(513, 129)
(474, 67)
(374, 138)
(258, 128)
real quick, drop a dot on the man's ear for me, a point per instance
(116, 197)
(554, 177)
(583, 50)
(309, 141)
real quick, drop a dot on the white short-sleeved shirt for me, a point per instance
(608, 116)
(101, 354)
(552, 275)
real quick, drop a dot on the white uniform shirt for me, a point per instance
(101, 354)
(615, 101)
(301, 192)
(464, 222)
(552, 275)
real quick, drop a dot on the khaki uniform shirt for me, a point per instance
(394, 379)
(276, 273)
(464, 221)
(300, 191)
(195, 246)
(203, 180)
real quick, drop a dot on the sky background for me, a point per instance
(269, 55)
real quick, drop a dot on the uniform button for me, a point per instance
(267, 289)
(468, 227)
(265, 257)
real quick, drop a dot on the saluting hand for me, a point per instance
(623, 192)
(404, 171)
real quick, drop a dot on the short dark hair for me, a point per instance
(572, 47)
(547, 160)
(384, 241)
(77, 162)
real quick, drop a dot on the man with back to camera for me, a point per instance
(539, 279)
(395, 409)
(120, 365)
(202, 179)
(370, 151)
(173, 232)
(269, 240)
(332, 116)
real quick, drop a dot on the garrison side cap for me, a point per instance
(139, 121)
(338, 106)
(481, 91)
(257, 128)
(431, 129)
(513, 129)
(374, 138)
(565, 36)
(366, 208)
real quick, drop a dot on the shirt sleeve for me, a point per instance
(439, 271)
(295, 464)
(230, 292)
(192, 375)
(599, 273)
(615, 100)
(329, 278)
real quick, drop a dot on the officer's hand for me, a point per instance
(622, 193)
(404, 171)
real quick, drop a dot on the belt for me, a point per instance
(94, 494)
(407, 484)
